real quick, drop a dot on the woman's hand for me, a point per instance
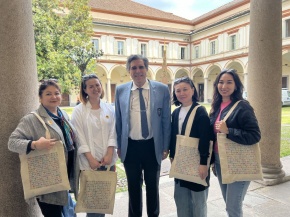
(43, 143)
(203, 171)
(222, 127)
(107, 160)
(94, 164)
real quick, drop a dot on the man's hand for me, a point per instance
(165, 154)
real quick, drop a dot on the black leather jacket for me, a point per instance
(242, 123)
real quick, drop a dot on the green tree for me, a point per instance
(82, 57)
(60, 27)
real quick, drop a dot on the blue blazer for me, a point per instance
(160, 117)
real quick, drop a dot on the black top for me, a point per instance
(200, 129)
(242, 123)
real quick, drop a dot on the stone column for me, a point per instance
(18, 82)
(264, 82)
(245, 81)
(109, 90)
(205, 90)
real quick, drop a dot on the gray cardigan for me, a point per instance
(30, 128)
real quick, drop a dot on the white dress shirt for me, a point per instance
(135, 117)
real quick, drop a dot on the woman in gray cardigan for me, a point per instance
(29, 135)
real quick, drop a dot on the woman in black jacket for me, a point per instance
(190, 198)
(241, 127)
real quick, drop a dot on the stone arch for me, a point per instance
(165, 78)
(198, 80)
(119, 75)
(210, 75)
(150, 74)
(239, 66)
(181, 72)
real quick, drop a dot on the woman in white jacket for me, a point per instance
(94, 121)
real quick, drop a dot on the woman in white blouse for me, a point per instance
(94, 121)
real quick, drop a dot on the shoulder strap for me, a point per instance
(231, 110)
(190, 121)
(47, 134)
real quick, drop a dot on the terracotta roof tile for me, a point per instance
(134, 8)
(217, 10)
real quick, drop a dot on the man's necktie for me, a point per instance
(144, 124)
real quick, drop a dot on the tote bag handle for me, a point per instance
(190, 121)
(47, 134)
(231, 110)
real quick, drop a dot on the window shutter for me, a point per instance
(238, 40)
(116, 47)
(124, 48)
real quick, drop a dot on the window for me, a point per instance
(120, 48)
(284, 82)
(143, 49)
(196, 50)
(233, 42)
(182, 53)
(96, 44)
(287, 28)
(212, 47)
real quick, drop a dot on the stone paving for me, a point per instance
(260, 201)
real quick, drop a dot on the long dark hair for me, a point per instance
(236, 95)
(188, 81)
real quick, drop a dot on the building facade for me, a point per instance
(198, 48)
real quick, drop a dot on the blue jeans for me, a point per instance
(190, 203)
(69, 209)
(233, 193)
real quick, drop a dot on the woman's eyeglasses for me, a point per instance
(183, 79)
(48, 80)
(90, 76)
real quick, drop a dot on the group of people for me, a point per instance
(142, 131)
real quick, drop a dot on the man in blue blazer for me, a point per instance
(138, 151)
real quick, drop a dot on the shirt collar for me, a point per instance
(88, 104)
(145, 86)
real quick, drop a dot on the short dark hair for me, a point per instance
(83, 94)
(137, 57)
(184, 80)
(236, 95)
(46, 83)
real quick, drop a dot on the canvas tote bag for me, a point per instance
(97, 191)
(44, 171)
(187, 159)
(238, 162)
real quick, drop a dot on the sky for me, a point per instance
(188, 9)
